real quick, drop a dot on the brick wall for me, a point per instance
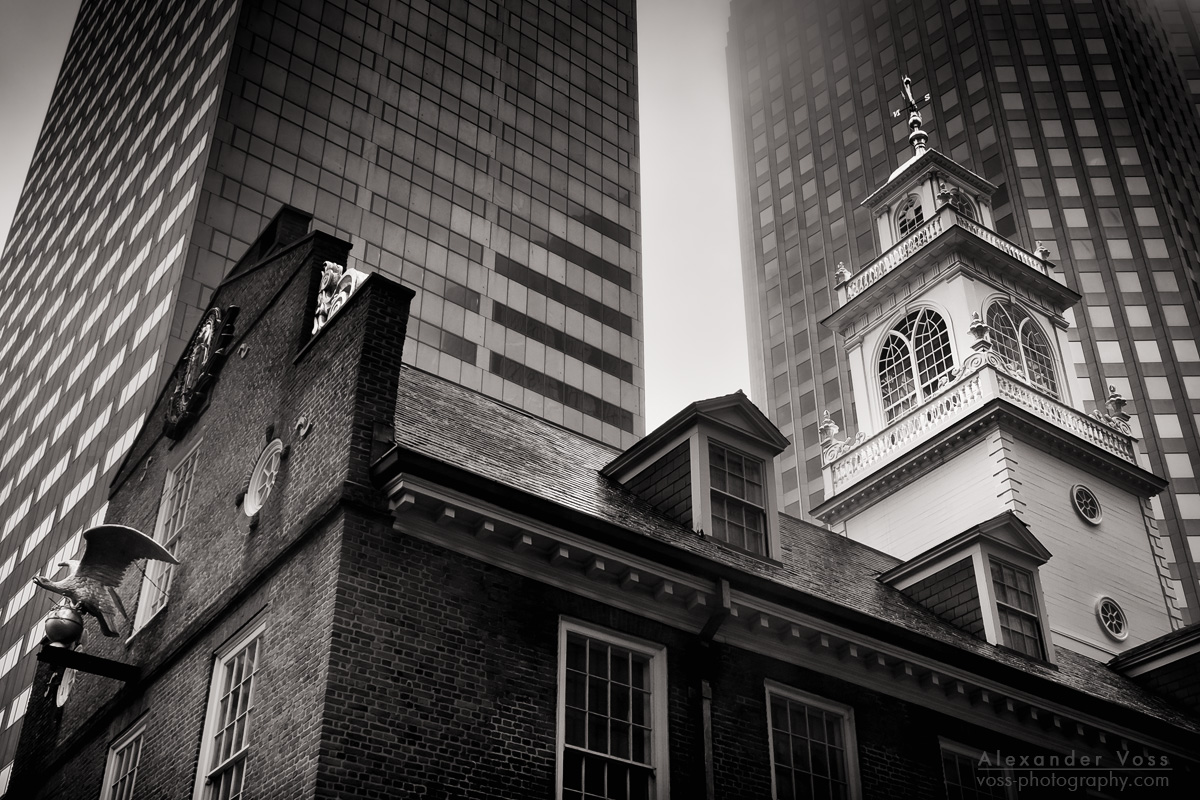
(283, 564)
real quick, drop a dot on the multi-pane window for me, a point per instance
(172, 517)
(227, 728)
(1020, 627)
(1019, 341)
(812, 747)
(966, 780)
(612, 721)
(910, 216)
(120, 776)
(916, 355)
(738, 504)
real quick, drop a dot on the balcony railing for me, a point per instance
(846, 463)
(939, 224)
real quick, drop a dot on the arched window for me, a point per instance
(910, 217)
(915, 356)
(1018, 340)
(966, 209)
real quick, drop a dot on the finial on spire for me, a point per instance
(916, 137)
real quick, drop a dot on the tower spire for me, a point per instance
(917, 137)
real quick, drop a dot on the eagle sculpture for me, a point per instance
(92, 581)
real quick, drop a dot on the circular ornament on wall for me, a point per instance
(262, 480)
(1087, 505)
(1112, 619)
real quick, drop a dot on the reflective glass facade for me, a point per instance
(484, 153)
(1083, 113)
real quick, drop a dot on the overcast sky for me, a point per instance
(694, 318)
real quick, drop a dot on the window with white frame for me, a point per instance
(1017, 339)
(738, 499)
(1016, 604)
(612, 723)
(262, 480)
(120, 775)
(172, 517)
(910, 216)
(813, 748)
(968, 776)
(916, 355)
(228, 723)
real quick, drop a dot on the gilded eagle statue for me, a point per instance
(109, 552)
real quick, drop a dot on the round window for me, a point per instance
(263, 479)
(1112, 618)
(1087, 505)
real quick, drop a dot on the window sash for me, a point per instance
(611, 717)
(228, 724)
(1016, 606)
(124, 759)
(172, 518)
(965, 782)
(807, 760)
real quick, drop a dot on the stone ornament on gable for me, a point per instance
(195, 374)
(337, 284)
(832, 448)
(1116, 418)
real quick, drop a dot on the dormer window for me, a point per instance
(1016, 604)
(738, 514)
(1017, 339)
(985, 582)
(910, 216)
(915, 356)
(711, 467)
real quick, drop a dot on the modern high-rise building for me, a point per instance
(485, 154)
(1082, 112)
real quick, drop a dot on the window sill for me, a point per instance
(147, 623)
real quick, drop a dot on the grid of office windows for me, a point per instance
(99, 242)
(440, 140)
(486, 154)
(1082, 113)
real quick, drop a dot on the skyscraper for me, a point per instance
(1082, 113)
(485, 154)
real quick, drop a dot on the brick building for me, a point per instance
(487, 152)
(392, 585)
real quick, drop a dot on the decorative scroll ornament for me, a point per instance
(1116, 418)
(337, 284)
(195, 374)
(841, 274)
(831, 448)
(982, 333)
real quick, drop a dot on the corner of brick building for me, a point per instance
(338, 386)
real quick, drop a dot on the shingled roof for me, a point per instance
(466, 430)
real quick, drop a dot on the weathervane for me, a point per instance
(916, 137)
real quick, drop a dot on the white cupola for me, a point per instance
(964, 408)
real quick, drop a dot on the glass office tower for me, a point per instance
(1083, 112)
(485, 154)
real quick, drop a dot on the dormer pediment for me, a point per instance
(1005, 533)
(732, 413)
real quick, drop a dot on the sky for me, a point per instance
(695, 332)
